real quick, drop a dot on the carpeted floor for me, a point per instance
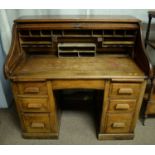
(77, 127)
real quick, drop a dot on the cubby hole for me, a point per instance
(118, 42)
(76, 49)
(24, 32)
(77, 32)
(86, 54)
(35, 32)
(34, 40)
(57, 32)
(72, 48)
(46, 32)
(118, 39)
(119, 32)
(131, 33)
(37, 50)
(108, 32)
(98, 32)
(68, 54)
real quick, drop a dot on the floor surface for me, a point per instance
(77, 127)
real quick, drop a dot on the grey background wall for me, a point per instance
(6, 21)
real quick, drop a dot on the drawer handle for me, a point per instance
(31, 90)
(37, 125)
(127, 91)
(122, 107)
(118, 125)
(34, 106)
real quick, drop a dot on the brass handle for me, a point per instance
(122, 107)
(34, 105)
(118, 125)
(31, 90)
(37, 125)
(127, 91)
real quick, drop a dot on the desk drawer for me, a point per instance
(118, 123)
(36, 88)
(32, 104)
(36, 122)
(125, 90)
(122, 105)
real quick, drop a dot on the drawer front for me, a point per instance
(36, 122)
(31, 104)
(118, 123)
(125, 90)
(27, 88)
(121, 105)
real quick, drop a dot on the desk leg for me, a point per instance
(104, 109)
(148, 31)
(53, 110)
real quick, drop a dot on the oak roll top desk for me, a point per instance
(51, 53)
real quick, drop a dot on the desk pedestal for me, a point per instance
(39, 113)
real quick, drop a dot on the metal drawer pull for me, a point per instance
(122, 107)
(127, 91)
(34, 106)
(37, 125)
(118, 125)
(31, 90)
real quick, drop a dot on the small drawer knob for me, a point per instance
(34, 106)
(37, 125)
(122, 107)
(118, 125)
(125, 91)
(31, 90)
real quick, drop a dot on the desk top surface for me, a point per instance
(99, 67)
(78, 18)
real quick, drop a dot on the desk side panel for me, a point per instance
(14, 56)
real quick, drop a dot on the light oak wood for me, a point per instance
(36, 122)
(33, 104)
(119, 69)
(125, 90)
(104, 106)
(122, 105)
(118, 123)
(50, 67)
(37, 125)
(31, 90)
(72, 84)
(34, 88)
(121, 136)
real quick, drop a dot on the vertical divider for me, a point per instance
(53, 109)
(114, 32)
(41, 34)
(124, 33)
(30, 32)
(104, 106)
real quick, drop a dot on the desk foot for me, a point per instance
(124, 136)
(40, 135)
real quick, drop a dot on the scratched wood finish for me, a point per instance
(119, 69)
(50, 67)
